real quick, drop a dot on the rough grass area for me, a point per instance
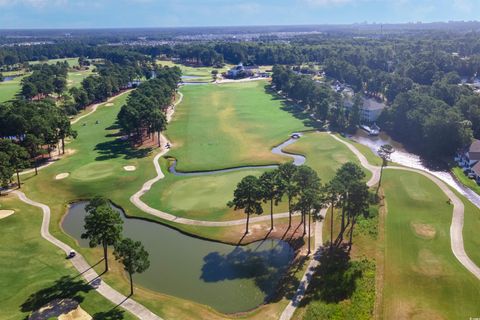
(33, 272)
(229, 125)
(423, 279)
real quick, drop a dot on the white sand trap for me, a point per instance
(62, 176)
(109, 104)
(6, 213)
(130, 168)
(77, 314)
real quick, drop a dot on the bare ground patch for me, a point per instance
(424, 231)
(429, 264)
(407, 310)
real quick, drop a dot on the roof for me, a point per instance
(475, 146)
(372, 104)
(476, 168)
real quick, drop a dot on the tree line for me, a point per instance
(28, 131)
(301, 187)
(317, 99)
(45, 80)
(144, 112)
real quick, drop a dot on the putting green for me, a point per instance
(94, 171)
(422, 276)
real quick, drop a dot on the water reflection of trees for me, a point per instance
(265, 267)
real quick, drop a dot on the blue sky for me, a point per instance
(173, 13)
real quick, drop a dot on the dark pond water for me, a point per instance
(9, 78)
(225, 277)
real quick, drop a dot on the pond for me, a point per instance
(8, 78)
(228, 278)
(411, 160)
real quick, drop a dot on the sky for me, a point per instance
(176, 13)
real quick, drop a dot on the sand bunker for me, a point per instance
(6, 213)
(109, 104)
(77, 314)
(62, 176)
(130, 168)
(425, 231)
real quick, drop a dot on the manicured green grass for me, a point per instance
(8, 89)
(205, 197)
(30, 265)
(72, 62)
(422, 276)
(201, 74)
(229, 125)
(201, 197)
(324, 154)
(76, 77)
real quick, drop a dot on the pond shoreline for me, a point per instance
(263, 250)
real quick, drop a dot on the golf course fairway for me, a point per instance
(422, 276)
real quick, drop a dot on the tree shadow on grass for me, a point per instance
(120, 148)
(335, 277)
(265, 267)
(295, 109)
(113, 314)
(64, 288)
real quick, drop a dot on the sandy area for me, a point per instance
(62, 176)
(109, 104)
(77, 314)
(6, 213)
(130, 168)
(425, 231)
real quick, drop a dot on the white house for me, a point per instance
(369, 111)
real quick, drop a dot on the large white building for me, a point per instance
(369, 111)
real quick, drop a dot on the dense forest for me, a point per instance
(422, 76)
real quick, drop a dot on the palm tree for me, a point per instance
(248, 196)
(268, 181)
(288, 186)
(133, 256)
(103, 226)
(385, 152)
